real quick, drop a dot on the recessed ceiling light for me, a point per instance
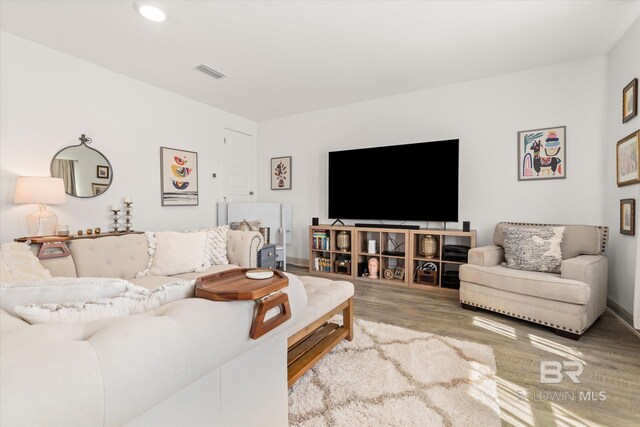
(150, 10)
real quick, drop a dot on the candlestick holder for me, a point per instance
(128, 226)
(116, 223)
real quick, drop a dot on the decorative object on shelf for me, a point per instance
(542, 153)
(343, 241)
(630, 101)
(128, 207)
(387, 273)
(179, 177)
(315, 221)
(427, 274)
(75, 165)
(628, 160)
(281, 173)
(373, 268)
(343, 266)
(97, 189)
(428, 246)
(628, 217)
(116, 218)
(97, 230)
(372, 247)
(266, 234)
(102, 171)
(399, 273)
(80, 232)
(62, 230)
(42, 191)
(89, 232)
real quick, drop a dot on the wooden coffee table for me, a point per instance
(233, 285)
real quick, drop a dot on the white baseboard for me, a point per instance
(622, 315)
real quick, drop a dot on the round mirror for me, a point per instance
(86, 172)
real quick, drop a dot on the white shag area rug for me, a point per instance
(392, 376)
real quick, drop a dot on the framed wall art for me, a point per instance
(627, 159)
(281, 173)
(178, 177)
(102, 172)
(542, 153)
(628, 217)
(97, 188)
(630, 101)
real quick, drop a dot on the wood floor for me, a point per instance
(610, 353)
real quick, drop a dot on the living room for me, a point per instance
(305, 79)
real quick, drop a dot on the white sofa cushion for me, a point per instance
(172, 252)
(57, 290)
(134, 300)
(217, 244)
(17, 262)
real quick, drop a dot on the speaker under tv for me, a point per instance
(406, 182)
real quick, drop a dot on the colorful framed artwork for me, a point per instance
(97, 188)
(630, 101)
(102, 172)
(627, 160)
(178, 177)
(281, 173)
(542, 153)
(628, 217)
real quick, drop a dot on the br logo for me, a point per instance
(551, 371)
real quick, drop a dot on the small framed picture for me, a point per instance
(102, 172)
(542, 153)
(630, 101)
(281, 173)
(627, 160)
(628, 217)
(97, 188)
(399, 274)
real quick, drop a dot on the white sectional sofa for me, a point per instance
(190, 362)
(187, 363)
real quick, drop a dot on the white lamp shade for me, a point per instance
(40, 189)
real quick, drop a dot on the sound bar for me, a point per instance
(402, 226)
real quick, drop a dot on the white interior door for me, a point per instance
(238, 159)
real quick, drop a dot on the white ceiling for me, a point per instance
(284, 57)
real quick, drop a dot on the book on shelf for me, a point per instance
(321, 240)
(322, 264)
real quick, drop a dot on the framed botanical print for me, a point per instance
(281, 173)
(630, 101)
(628, 217)
(627, 160)
(542, 153)
(178, 177)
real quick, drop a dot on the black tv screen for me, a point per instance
(409, 182)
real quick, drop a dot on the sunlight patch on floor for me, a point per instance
(556, 348)
(493, 326)
(566, 418)
(515, 408)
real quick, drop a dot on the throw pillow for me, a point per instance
(17, 262)
(217, 244)
(253, 225)
(134, 300)
(177, 253)
(57, 290)
(533, 248)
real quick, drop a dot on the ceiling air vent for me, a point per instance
(213, 73)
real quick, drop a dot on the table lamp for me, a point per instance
(40, 190)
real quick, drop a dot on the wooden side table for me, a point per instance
(233, 285)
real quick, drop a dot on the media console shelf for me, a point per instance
(397, 251)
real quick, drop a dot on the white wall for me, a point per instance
(47, 99)
(485, 115)
(624, 66)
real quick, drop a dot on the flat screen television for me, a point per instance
(408, 182)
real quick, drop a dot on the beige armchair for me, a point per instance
(569, 302)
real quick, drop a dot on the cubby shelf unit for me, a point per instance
(394, 248)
